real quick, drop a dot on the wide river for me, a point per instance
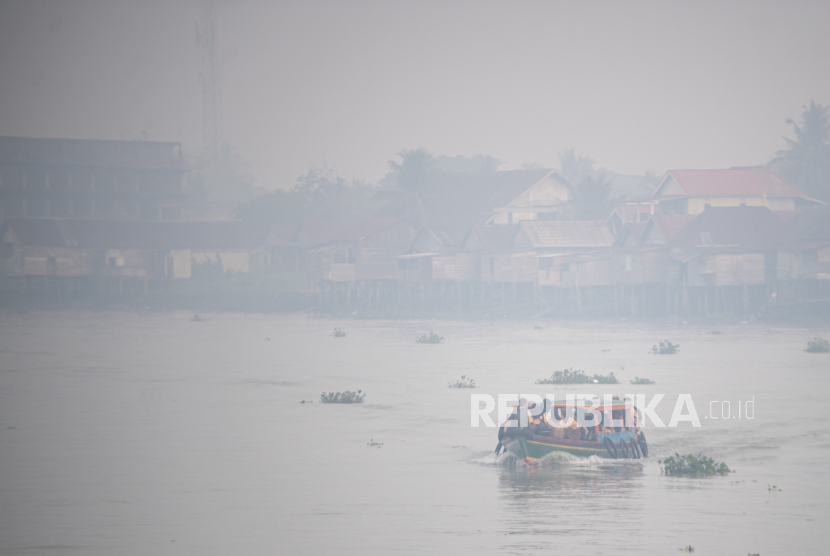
(145, 433)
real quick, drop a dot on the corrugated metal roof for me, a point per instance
(495, 237)
(744, 227)
(318, 232)
(756, 180)
(669, 224)
(567, 233)
(120, 234)
(143, 155)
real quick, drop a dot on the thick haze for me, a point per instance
(638, 86)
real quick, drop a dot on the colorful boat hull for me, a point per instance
(532, 449)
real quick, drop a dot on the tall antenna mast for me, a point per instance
(210, 81)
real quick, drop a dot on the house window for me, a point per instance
(546, 263)
(706, 239)
(112, 261)
(707, 205)
(344, 255)
(492, 266)
(565, 267)
(628, 263)
(509, 217)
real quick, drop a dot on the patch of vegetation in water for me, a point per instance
(464, 382)
(818, 345)
(339, 333)
(569, 376)
(692, 465)
(343, 397)
(373, 444)
(665, 347)
(715, 333)
(199, 318)
(638, 380)
(431, 338)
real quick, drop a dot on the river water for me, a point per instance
(146, 433)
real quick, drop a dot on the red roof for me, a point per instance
(755, 180)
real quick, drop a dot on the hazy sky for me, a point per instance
(637, 85)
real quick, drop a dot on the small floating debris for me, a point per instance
(306, 401)
(569, 376)
(267, 339)
(464, 382)
(198, 318)
(431, 338)
(692, 466)
(537, 327)
(773, 488)
(687, 548)
(665, 347)
(373, 444)
(343, 397)
(606, 350)
(339, 333)
(818, 345)
(638, 380)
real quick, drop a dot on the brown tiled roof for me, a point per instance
(567, 233)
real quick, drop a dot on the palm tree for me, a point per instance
(806, 160)
(575, 166)
(592, 200)
(408, 182)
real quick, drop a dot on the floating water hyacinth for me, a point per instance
(692, 466)
(198, 318)
(569, 376)
(343, 397)
(818, 345)
(373, 444)
(338, 333)
(665, 348)
(431, 338)
(638, 380)
(464, 382)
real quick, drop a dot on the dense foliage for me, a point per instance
(464, 382)
(343, 397)
(692, 466)
(806, 160)
(818, 345)
(638, 380)
(665, 347)
(569, 376)
(431, 338)
(317, 195)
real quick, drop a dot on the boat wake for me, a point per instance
(506, 459)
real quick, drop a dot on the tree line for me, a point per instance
(321, 195)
